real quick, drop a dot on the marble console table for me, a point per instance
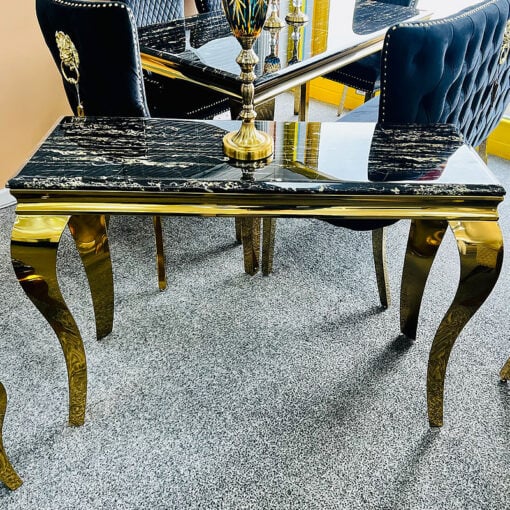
(88, 168)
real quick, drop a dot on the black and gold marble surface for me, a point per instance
(202, 47)
(167, 155)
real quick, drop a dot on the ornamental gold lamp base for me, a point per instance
(248, 144)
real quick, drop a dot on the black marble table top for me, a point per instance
(168, 155)
(202, 48)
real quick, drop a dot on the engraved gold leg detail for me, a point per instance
(7, 474)
(268, 235)
(424, 240)
(381, 272)
(504, 375)
(34, 245)
(480, 245)
(160, 252)
(250, 233)
(89, 233)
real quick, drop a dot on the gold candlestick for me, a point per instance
(246, 19)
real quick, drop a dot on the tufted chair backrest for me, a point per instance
(454, 70)
(98, 57)
(208, 5)
(151, 12)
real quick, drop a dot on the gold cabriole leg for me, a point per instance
(250, 233)
(89, 233)
(480, 245)
(381, 272)
(268, 235)
(160, 252)
(425, 237)
(504, 375)
(7, 473)
(34, 244)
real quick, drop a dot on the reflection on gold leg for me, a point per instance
(480, 245)
(504, 375)
(89, 233)
(381, 273)
(7, 473)
(250, 233)
(239, 238)
(268, 234)
(34, 245)
(160, 252)
(424, 240)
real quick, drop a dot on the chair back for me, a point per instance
(95, 47)
(151, 12)
(452, 70)
(208, 5)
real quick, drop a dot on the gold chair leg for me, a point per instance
(268, 235)
(34, 244)
(297, 96)
(250, 233)
(343, 97)
(89, 233)
(504, 375)
(381, 272)
(424, 240)
(7, 474)
(238, 222)
(160, 252)
(480, 245)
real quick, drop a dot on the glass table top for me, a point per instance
(201, 47)
(168, 155)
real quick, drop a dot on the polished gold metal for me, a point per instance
(505, 45)
(239, 238)
(69, 65)
(160, 252)
(91, 240)
(247, 144)
(273, 21)
(268, 236)
(7, 474)
(424, 240)
(250, 234)
(480, 246)
(381, 271)
(504, 375)
(296, 15)
(231, 204)
(34, 244)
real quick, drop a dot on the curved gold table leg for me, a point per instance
(504, 375)
(89, 233)
(7, 473)
(381, 272)
(424, 240)
(480, 245)
(34, 244)
(268, 235)
(160, 252)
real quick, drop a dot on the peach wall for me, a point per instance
(32, 97)
(31, 93)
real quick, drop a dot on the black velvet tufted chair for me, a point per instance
(364, 74)
(208, 5)
(95, 47)
(452, 70)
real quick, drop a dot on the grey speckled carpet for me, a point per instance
(227, 391)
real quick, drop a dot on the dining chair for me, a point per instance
(95, 47)
(453, 70)
(7, 474)
(363, 74)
